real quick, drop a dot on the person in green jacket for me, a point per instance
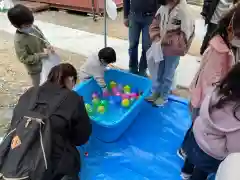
(30, 44)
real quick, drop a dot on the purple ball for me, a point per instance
(120, 87)
(94, 95)
(114, 90)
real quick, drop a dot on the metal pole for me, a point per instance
(105, 23)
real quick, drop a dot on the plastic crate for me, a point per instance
(106, 132)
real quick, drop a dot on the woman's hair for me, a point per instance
(59, 73)
(232, 18)
(229, 89)
(107, 55)
(20, 15)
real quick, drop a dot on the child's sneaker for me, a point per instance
(153, 97)
(182, 154)
(185, 176)
(160, 102)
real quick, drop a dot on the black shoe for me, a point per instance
(143, 73)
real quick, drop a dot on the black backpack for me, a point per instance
(26, 148)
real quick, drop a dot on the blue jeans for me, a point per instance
(195, 114)
(165, 74)
(138, 23)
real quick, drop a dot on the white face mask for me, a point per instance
(26, 30)
(235, 42)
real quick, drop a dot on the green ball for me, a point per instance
(95, 101)
(104, 103)
(127, 89)
(101, 109)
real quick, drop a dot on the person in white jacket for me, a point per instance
(229, 168)
(96, 65)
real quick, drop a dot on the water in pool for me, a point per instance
(112, 115)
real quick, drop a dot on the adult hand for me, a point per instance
(126, 22)
(166, 42)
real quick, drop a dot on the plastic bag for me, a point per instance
(111, 9)
(47, 65)
(155, 52)
(5, 5)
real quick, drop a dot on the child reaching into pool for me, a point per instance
(216, 130)
(96, 65)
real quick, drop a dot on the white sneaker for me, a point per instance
(185, 176)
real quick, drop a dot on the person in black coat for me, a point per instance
(70, 122)
(212, 12)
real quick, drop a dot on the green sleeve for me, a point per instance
(25, 57)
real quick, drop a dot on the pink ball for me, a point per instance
(118, 94)
(105, 93)
(125, 96)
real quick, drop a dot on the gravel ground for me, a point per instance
(14, 79)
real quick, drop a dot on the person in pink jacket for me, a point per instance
(216, 130)
(217, 60)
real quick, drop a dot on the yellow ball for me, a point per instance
(125, 102)
(101, 109)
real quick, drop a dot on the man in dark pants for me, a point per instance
(138, 15)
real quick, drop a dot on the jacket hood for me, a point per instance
(221, 119)
(219, 45)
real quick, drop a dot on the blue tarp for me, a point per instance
(146, 151)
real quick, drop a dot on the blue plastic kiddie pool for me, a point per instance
(109, 126)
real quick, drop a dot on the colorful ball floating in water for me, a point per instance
(113, 84)
(127, 89)
(117, 94)
(101, 109)
(95, 101)
(125, 103)
(94, 95)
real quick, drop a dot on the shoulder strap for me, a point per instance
(53, 103)
(33, 98)
(57, 101)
